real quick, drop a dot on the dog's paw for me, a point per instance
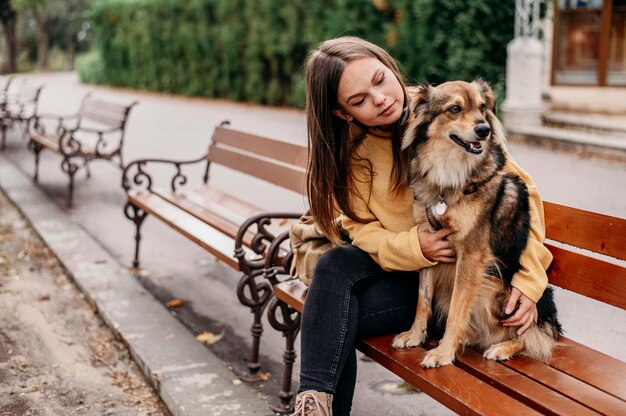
(502, 351)
(409, 339)
(438, 357)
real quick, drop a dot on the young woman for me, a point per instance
(356, 99)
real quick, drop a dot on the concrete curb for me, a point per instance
(188, 377)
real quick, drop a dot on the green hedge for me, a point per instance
(253, 50)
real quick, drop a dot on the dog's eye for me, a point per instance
(483, 108)
(455, 109)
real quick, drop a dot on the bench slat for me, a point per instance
(517, 385)
(281, 175)
(285, 152)
(225, 219)
(52, 143)
(199, 232)
(592, 367)
(585, 229)
(94, 104)
(46, 141)
(103, 118)
(578, 390)
(587, 276)
(450, 385)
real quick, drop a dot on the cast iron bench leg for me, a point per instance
(136, 215)
(287, 320)
(70, 168)
(256, 299)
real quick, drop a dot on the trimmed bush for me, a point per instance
(253, 50)
(90, 67)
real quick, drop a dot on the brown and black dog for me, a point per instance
(457, 178)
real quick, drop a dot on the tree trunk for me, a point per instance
(42, 41)
(69, 52)
(10, 49)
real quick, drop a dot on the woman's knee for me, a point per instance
(343, 261)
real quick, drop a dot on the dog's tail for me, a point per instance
(539, 341)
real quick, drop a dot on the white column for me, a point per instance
(523, 105)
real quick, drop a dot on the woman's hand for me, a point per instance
(434, 245)
(526, 313)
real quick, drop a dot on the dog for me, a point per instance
(458, 150)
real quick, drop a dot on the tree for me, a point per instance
(35, 8)
(8, 18)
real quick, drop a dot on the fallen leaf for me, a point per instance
(43, 298)
(264, 376)
(236, 382)
(174, 303)
(209, 338)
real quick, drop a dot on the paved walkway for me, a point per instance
(174, 127)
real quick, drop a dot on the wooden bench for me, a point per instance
(235, 231)
(95, 132)
(18, 109)
(577, 381)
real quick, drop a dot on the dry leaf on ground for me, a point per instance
(174, 303)
(210, 338)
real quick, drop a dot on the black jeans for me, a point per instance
(350, 297)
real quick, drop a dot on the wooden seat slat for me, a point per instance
(274, 149)
(589, 230)
(450, 385)
(591, 366)
(576, 389)
(196, 230)
(220, 220)
(517, 385)
(46, 141)
(284, 176)
(51, 142)
(588, 276)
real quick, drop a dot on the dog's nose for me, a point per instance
(482, 130)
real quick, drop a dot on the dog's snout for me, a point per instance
(482, 130)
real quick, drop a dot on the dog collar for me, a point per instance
(435, 212)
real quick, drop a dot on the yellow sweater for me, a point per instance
(389, 233)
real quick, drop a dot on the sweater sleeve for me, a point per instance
(532, 279)
(391, 250)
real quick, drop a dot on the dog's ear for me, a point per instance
(487, 93)
(497, 130)
(417, 112)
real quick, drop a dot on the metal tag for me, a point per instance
(440, 208)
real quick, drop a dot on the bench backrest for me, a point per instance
(104, 112)
(274, 161)
(598, 270)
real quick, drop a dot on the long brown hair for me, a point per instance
(330, 138)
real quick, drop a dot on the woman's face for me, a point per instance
(370, 93)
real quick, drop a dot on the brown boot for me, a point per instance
(313, 403)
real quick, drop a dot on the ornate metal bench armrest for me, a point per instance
(40, 128)
(141, 178)
(262, 238)
(94, 130)
(72, 143)
(272, 268)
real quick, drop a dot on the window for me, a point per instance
(590, 42)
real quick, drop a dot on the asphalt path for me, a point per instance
(172, 127)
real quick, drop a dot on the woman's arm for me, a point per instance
(406, 250)
(531, 280)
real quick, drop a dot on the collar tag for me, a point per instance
(441, 208)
